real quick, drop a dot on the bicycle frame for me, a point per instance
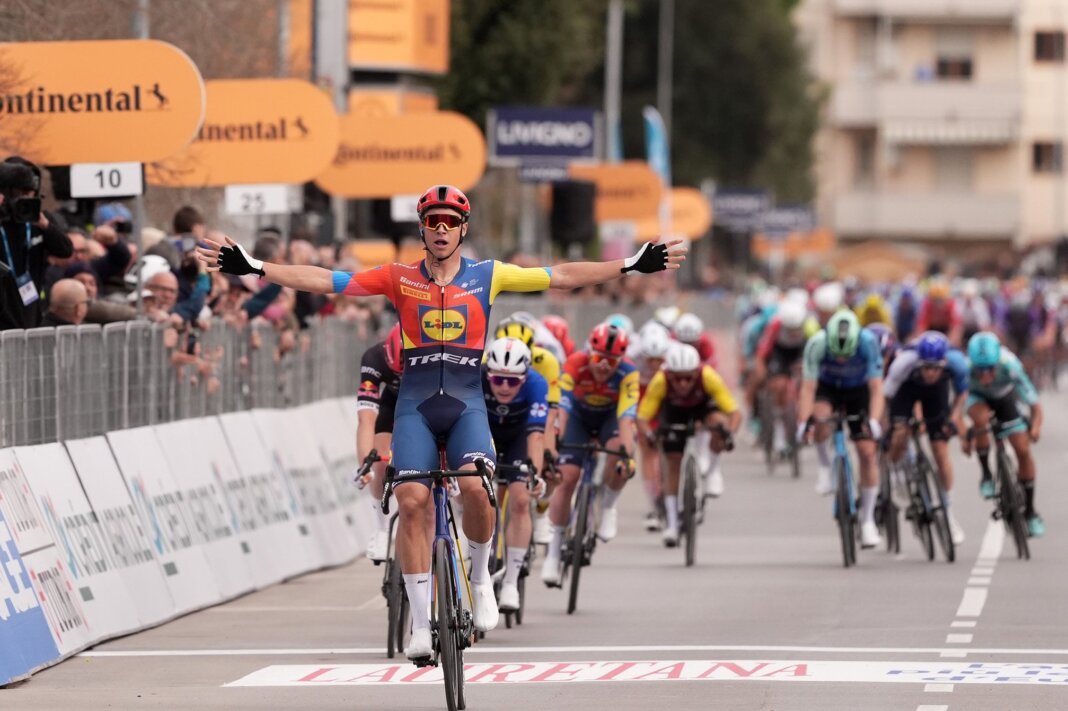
(841, 452)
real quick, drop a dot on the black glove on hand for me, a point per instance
(650, 258)
(235, 260)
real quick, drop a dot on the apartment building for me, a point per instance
(945, 122)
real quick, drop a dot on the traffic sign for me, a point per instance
(98, 180)
(96, 101)
(256, 131)
(382, 156)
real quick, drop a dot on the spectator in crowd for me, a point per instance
(307, 304)
(99, 311)
(68, 304)
(28, 238)
(189, 228)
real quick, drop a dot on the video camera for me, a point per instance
(16, 179)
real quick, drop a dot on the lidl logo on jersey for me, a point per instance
(444, 325)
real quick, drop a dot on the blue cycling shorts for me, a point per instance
(462, 425)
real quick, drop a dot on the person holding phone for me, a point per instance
(27, 239)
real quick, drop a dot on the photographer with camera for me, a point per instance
(27, 239)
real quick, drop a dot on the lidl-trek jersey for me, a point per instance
(579, 391)
(444, 333)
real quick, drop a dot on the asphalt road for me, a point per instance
(768, 619)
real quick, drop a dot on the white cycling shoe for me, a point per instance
(609, 524)
(486, 613)
(378, 546)
(869, 535)
(824, 484)
(543, 533)
(509, 601)
(550, 571)
(714, 483)
(670, 537)
(420, 645)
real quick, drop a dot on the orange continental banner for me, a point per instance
(625, 191)
(387, 101)
(399, 35)
(382, 156)
(256, 131)
(691, 216)
(106, 101)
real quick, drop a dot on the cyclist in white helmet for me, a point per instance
(653, 345)
(690, 329)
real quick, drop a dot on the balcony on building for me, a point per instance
(947, 11)
(867, 214)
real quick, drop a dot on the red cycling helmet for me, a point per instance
(393, 348)
(444, 196)
(609, 340)
(557, 326)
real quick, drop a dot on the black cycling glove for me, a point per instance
(235, 260)
(650, 258)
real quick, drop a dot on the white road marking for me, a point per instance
(959, 638)
(932, 707)
(483, 649)
(979, 581)
(979, 570)
(963, 623)
(953, 655)
(284, 608)
(990, 548)
(937, 676)
(971, 604)
(375, 603)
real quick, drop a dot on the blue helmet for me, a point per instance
(984, 350)
(931, 347)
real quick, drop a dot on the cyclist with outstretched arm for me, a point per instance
(444, 302)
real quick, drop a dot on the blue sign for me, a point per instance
(539, 172)
(531, 132)
(26, 643)
(740, 210)
(784, 220)
(656, 144)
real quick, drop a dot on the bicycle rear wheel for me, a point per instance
(448, 631)
(843, 513)
(1012, 508)
(689, 508)
(578, 543)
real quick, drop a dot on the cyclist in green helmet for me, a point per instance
(998, 383)
(842, 370)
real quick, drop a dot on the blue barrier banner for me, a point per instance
(25, 640)
(543, 132)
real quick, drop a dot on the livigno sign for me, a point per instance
(98, 101)
(382, 156)
(256, 131)
(521, 132)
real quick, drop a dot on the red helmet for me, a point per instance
(608, 339)
(557, 326)
(444, 196)
(394, 347)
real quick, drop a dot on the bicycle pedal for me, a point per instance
(424, 662)
(376, 562)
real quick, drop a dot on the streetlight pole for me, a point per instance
(664, 64)
(613, 77)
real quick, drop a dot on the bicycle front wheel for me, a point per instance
(844, 514)
(940, 517)
(1012, 508)
(578, 543)
(922, 515)
(394, 603)
(689, 508)
(448, 629)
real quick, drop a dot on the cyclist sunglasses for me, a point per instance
(596, 358)
(451, 221)
(512, 381)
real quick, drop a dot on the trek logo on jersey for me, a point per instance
(447, 357)
(444, 325)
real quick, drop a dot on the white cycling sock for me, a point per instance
(868, 495)
(779, 435)
(556, 542)
(417, 585)
(650, 492)
(823, 450)
(713, 462)
(516, 556)
(671, 507)
(610, 497)
(480, 553)
(947, 498)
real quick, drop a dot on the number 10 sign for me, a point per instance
(98, 180)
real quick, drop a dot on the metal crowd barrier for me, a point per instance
(81, 381)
